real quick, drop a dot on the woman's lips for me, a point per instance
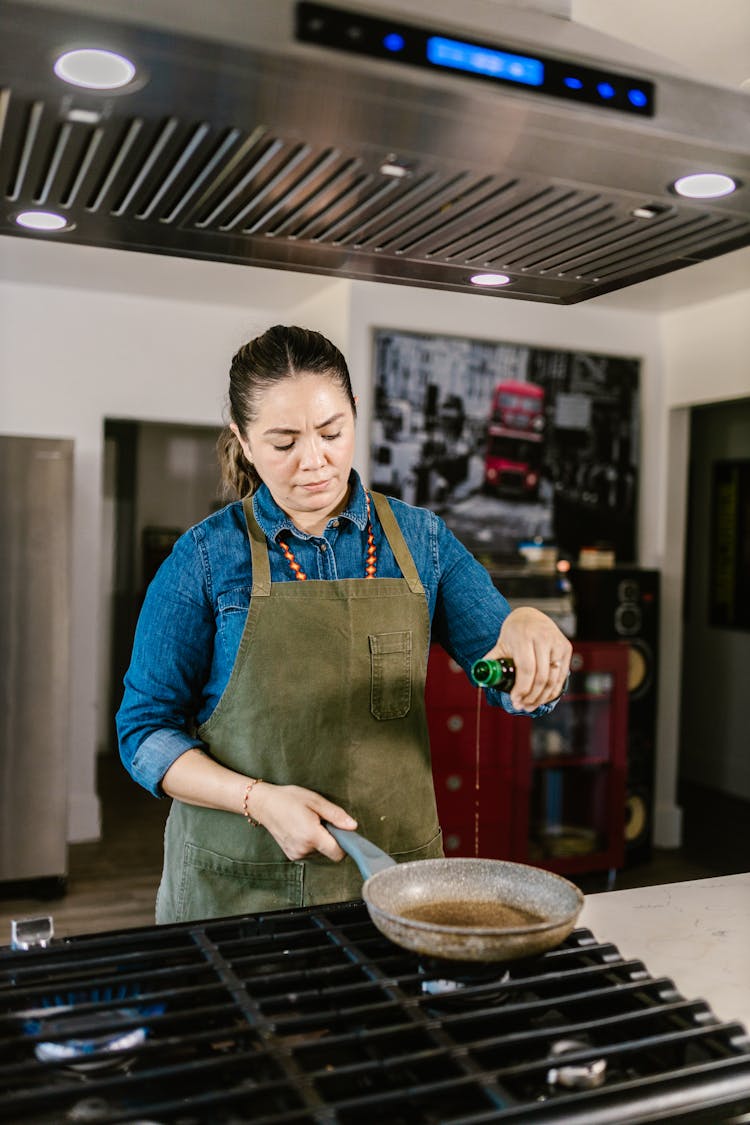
(316, 485)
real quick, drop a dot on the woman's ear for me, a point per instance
(243, 444)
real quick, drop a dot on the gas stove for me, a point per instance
(310, 1016)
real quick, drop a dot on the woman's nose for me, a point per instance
(312, 454)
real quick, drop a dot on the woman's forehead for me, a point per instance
(305, 393)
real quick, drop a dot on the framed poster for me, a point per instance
(509, 442)
(729, 571)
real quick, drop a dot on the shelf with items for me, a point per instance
(573, 806)
(468, 745)
(551, 790)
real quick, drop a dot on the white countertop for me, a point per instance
(696, 933)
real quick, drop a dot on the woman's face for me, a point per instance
(302, 446)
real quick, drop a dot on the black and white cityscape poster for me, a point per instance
(509, 442)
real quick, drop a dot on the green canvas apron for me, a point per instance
(326, 692)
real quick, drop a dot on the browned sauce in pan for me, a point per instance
(489, 915)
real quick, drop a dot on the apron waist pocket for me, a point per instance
(214, 885)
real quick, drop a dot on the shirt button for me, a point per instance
(334, 523)
(322, 546)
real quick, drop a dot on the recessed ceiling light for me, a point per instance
(705, 185)
(489, 279)
(95, 69)
(41, 220)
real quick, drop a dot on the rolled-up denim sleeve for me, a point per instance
(170, 663)
(470, 611)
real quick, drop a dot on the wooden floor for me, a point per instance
(112, 884)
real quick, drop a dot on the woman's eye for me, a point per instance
(331, 437)
(284, 448)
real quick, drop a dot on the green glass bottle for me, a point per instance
(500, 674)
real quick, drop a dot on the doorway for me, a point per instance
(159, 479)
(714, 768)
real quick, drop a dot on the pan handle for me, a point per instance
(368, 857)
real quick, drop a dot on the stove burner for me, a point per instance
(575, 1076)
(73, 1039)
(450, 980)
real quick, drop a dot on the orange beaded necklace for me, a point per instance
(371, 562)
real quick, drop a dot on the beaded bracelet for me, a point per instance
(250, 820)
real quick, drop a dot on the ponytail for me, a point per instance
(238, 477)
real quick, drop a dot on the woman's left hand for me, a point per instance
(540, 652)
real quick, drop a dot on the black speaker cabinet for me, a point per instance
(622, 604)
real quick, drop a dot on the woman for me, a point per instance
(278, 668)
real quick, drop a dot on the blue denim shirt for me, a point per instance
(195, 609)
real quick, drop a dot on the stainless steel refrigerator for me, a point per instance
(36, 486)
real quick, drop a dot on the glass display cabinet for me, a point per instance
(549, 791)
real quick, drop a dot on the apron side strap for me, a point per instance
(395, 537)
(258, 552)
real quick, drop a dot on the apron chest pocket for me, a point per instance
(390, 674)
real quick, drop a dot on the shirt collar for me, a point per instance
(273, 520)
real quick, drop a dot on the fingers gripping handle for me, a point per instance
(368, 858)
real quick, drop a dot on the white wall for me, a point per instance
(78, 344)
(87, 334)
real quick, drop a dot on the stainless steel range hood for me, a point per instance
(245, 144)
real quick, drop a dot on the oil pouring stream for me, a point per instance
(499, 674)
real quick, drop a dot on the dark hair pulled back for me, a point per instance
(282, 352)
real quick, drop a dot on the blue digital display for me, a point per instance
(497, 63)
(469, 57)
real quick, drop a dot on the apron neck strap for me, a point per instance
(393, 533)
(258, 552)
(397, 542)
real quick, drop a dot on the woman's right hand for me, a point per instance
(293, 817)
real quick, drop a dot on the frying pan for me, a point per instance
(463, 909)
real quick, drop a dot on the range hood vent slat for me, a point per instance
(30, 134)
(545, 259)
(634, 243)
(420, 233)
(63, 136)
(375, 191)
(289, 161)
(457, 227)
(407, 209)
(85, 165)
(573, 228)
(319, 165)
(686, 248)
(322, 197)
(525, 214)
(191, 147)
(157, 149)
(132, 131)
(263, 157)
(342, 205)
(189, 190)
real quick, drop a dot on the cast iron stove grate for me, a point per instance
(310, 1016)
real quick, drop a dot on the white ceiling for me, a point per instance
(710, 39)
(712, 42)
